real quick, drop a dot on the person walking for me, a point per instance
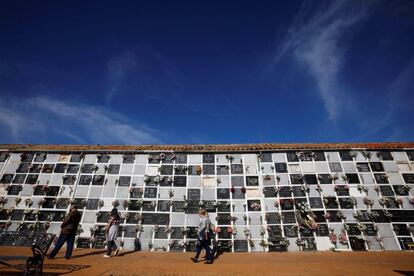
(68, 231)
(203, 238)
(112, 233)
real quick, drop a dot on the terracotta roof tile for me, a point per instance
(208, 147)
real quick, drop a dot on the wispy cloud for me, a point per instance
(118, 69)
(37, 119)
(315, 39)
(141, 70)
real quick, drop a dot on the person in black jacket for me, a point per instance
(68, 231)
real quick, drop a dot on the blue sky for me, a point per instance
(131, 72)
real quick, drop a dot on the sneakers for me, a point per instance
(194, 259)
(106, 256)
(49, 257)
(208, 262)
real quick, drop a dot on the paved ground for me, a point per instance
(91, 262)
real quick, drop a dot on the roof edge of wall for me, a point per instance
(260, 147)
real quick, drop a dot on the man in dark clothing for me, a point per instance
(67, 234)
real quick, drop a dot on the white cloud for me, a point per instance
(119, 68)
(43, 118)
(314, 38)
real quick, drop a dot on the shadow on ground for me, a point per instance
(406, 273)
(61, 269)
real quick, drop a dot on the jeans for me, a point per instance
(203, 244)
(110, 247)
(69, 239)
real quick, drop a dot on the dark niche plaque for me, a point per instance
(85, 180)
(92, 204)
(53, 191)
(272, 218)
(176, 233)
(400, 190)
(306, 232)
(357, 244)
(161, 234)
(162, 219)
(223, 219)
(269, 191)
(209, 206)
(149, 205)
(194, 194)
(288, 217)
(102, 217)
(180, 181)
(19, 178)
(274, 231)
(181, 158)
(148, 218)
(14, 189)
(150, 192)
(297, 191)
(136, 192)
(124, 181)
(275, 246)
(310, 244)
(408, 178)
(266, 157)
(130, 232)
(352, 229)
(191, 233)
(192, 207)
(208, 158)
(7, 178)
(208, 169)
(98, 180)
(345, 203)
(370, 230)
(163, 205)
(330, 202)
(98, 243)
(134, 205)
(296, 179)
(178, 206)
(281, 167)
(322, 230)
(223, 206)
(291, 231)
(168, 170)
(237, 169)
(311, 179)
(223, 170)
(386, 190)
(252, 181)
(408, 215)
(285, 191)
(223, 193)
(315, 202)
(17, 214)
(83, 243)
(240, 246)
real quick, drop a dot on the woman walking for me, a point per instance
(203, 238)
(112, 233)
